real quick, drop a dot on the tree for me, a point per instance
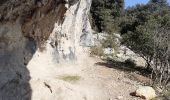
(146, 31)
(159, 1)
(161, 58)
(104, 12)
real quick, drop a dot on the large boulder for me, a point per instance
(146, 92)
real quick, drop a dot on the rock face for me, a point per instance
(67, 39)
(36, 31)
(15, 52)
(146, 92)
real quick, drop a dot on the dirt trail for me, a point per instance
(112, 83)
(97, 82)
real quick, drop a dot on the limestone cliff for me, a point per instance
(36, 32)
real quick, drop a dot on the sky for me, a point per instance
(134, 2)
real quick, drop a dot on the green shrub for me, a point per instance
(97, 50)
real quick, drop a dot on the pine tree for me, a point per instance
(159, 1)
(104, 12)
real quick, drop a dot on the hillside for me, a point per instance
(46, 51)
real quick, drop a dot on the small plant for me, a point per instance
(98, 50)
(70, 78)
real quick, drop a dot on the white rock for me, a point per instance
(117, 36)
(108, 51)
(146, 92)
(120, 97)
(67, 6)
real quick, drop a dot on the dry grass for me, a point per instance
(70, 78)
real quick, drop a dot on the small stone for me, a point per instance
(146, 92)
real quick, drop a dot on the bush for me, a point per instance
(146, 32)
(97, 50)
(103, 13)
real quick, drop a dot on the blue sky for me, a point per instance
(134, 2)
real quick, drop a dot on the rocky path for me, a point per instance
(110, 83)
(88, 80)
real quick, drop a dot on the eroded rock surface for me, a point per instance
(31, 30)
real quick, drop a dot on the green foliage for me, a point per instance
(159, 1)
(104, 12)
(143, 21)
(145, 30)
(97, 50)
(105, 17)
(110, 42)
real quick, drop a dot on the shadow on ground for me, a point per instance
(125, 66)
